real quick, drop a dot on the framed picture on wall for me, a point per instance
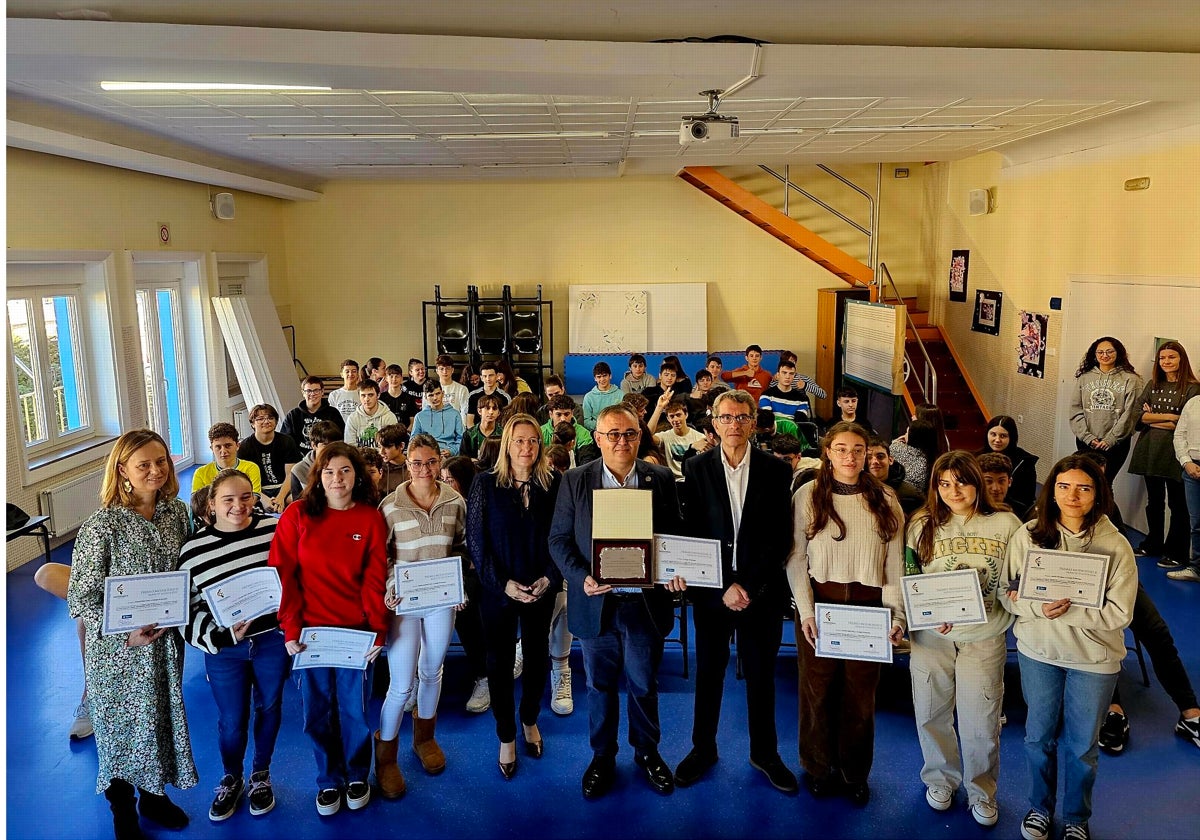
(987, 312)
(959, 264)
(1031, 348)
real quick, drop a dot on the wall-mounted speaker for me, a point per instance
(222, 206)
(979, 202)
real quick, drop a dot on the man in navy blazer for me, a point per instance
(740, 495)
(620, 631)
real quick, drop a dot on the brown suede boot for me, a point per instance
(387, 771)
(426, 748)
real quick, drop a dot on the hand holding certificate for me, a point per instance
(135, 601)
(850, 632)
(943, 598)
(1054, 575)
(695, 560)
(428, 584)
(334, 647)
(244, 596)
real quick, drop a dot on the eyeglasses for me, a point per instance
(262, 418)
(616, 437)
(425, 465)
(843, 451)
(730, 419)
(313, 390)
(526, 441)
(1106, 352)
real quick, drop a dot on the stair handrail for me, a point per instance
(870, 232)
(929, 385)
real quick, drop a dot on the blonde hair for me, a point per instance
(112, 488)
(541, 472)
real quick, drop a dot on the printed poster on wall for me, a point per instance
(987, 312)
(1031, 350)
(959, 263)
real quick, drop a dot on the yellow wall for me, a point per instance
(66, 205)
(369, 253)
(1070, 215)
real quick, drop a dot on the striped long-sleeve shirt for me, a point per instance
(213, 556)
(414, 534)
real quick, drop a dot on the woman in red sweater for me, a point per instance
(331, 551)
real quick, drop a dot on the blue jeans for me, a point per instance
(1066, 706)
(335, 717)
(259, 664)
(1191, 493)
(629, 642)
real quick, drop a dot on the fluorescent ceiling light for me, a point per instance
(398, 166)
(532, 135)
(906, 129)
(545, 165)
(201, 86)
(332, 136)
(745, 132)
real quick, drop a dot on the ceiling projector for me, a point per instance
(705, 127)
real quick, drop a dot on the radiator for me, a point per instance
(69, 504)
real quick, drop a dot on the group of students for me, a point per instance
(335, 546)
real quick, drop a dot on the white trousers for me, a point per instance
(415, 644)
(967, 678)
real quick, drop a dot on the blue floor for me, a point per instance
(1150, 792)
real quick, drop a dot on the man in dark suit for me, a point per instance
(620, 630)
(739, 495)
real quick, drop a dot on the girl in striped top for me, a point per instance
(426, 520)
(250, 655)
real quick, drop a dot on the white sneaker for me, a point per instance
(985, 812)
(939, 797)
(561, 700)
(519, 661)
(81, 727)
(481, 697)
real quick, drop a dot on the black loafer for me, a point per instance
(656, 771)
(777, 774)
(821, 787)
(858, 793)
(599, 777)
(693, 767)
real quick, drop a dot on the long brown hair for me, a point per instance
(1184, 376)
(887, 523)
(935, 513)
(1090, 362)
(1045, 531)
(112, 487)
(314, 498)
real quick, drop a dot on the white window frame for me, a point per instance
(35, 297)
(91, 277)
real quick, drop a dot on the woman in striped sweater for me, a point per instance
(426, 521)
(249, 655)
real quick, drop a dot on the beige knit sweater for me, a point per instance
(862, 557)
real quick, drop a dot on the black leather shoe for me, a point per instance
(821, 787)
(157, 808)
(599, 777)
(656, 771)
(859, 794)
(508, 769)
(693, 767)
(777, 774)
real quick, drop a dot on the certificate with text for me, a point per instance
(244, 596)
(849, 632)
(133, 601)
(943, 598)
(697, 561)
(428, 584)
(1050, 575)
(333, 647)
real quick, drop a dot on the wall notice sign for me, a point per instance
(164, 233)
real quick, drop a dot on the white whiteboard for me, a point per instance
(675, 318)
(1135, 310)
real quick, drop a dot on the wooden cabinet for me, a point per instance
(831, 312)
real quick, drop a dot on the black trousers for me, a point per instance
(468, 623)
(1152, 631)
(759, 631)
(500, 621)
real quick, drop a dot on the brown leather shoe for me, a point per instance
(427, 749)
(387, 771)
